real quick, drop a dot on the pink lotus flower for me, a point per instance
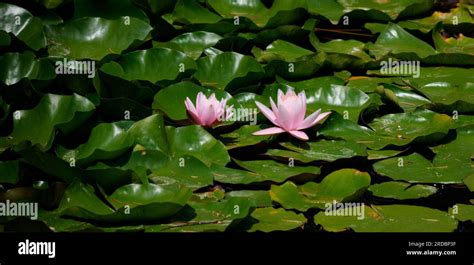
(288, 116)
(208, 111)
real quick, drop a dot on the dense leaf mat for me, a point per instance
(113, 149)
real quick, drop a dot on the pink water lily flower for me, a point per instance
(208, 111)
(289, 114)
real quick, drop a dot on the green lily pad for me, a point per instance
(191, 43)
(341, 185)
(167, 170)
(469, 182)
(109, 9)
(462, 121)
(53, 111)
(406, 99)
(23, 25)
(381, 154)
(270, 219)
(416, 168)
(326, 150)
(396, 129)
(282, 50)
(194, 140)
(462, 212)
(16, 66)
(214, 195)
(133, 202)
(236, 176)
(227, 70)
(445, 85)
(243, 137)
(79, 200)
(342, 54)
(141, 65)
(274, 171)
(406, 127)
(106, 141)
(401, 190)
(458, 14)
(93, 37)
(150, 133)
(461, 45)
(389, 218)
(394, 40)
(191, 12)
(288, 60)
(252, 9)
(367, 84)
(259, 198)
(207, 217)
(148, 201)
(386, 10)
(58, 224)
(50, 164)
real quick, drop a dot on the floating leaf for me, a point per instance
(389, 218)
(459, 15)
(148, 201)
(23, 25)
(270, 219)
(260, 198)
(94, 37)
(252, 9)
(207, 217)
(469, 182)
(326, 150)
(386, 10)
(168, 170)
(274, 171)
(243, 137)
(106, 141)
(341, 185)
(145, 202)
(16, 66)
(144, 65)
(227, 70)
(110, 9)
(394, 40)
(406, 99)
(192, 43)
(401, 190)
(462, 212)
(194, 140)
(288, 60)
(236, 176)
(53, 111)
(191, 12)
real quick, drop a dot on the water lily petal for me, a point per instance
(275, 112)
(266, 111)
(300, 135)
(308, 122)
(268, 131)
(209, 116)
(285, 117)
(321, 117)
(190, 106)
